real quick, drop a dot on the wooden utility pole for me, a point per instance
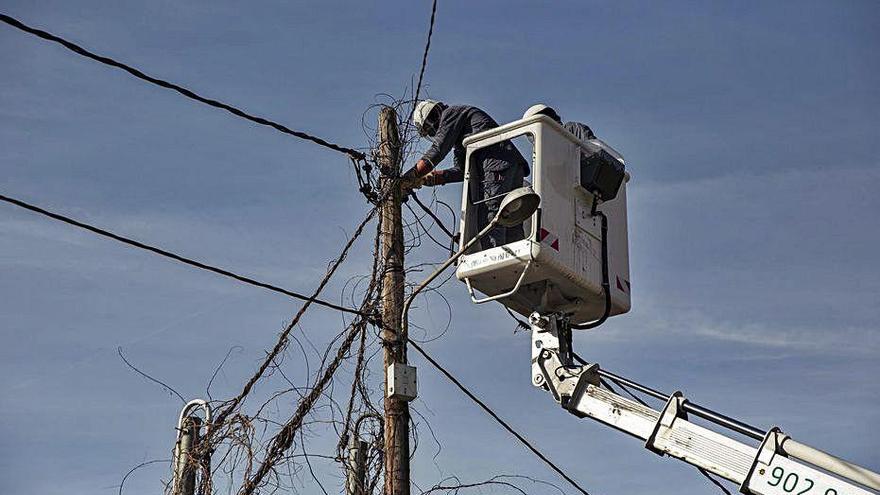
(396, 410)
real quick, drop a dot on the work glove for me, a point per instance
(410, 183)
(433, 179)
(412, 173)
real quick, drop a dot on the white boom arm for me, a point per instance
(777, 466)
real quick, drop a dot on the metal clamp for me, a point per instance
(589, 375)
(671, 411)
(498, 296)
(769, 447)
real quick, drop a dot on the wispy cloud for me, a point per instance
(655, 322)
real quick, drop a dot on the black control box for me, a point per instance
(601, 174)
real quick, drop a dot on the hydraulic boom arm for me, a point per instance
(777, 466)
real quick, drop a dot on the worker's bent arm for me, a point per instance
(448, 133)
(420, 169)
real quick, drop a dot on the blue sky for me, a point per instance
(751, 130)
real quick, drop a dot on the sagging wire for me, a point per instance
(173, 256)
(175, 87)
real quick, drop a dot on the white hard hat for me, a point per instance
(542, 109)
(423, 109)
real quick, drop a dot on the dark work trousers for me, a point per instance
(496, 184)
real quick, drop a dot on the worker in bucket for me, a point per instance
(499, 168)
(579, 130)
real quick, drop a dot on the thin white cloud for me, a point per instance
(845, 339)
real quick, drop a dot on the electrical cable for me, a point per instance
(424, 228)
(451, 212)
(453, 238)
(606, 285)
(174, 87)
(355, 155)
(177, 257)
(607, 385)
(495, 416)
(713, 480)
(519, 323)
(425, 54)
(432, 215)
(250, 281)
(629, 392)
(612, 378)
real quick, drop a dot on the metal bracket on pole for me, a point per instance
(672, 411)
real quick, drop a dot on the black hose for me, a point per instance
(606, 285)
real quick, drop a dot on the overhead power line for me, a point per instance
(229, 274)
(247, 280)
(175, 87)
(497, 418)
(177, 257)
(427, 48)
